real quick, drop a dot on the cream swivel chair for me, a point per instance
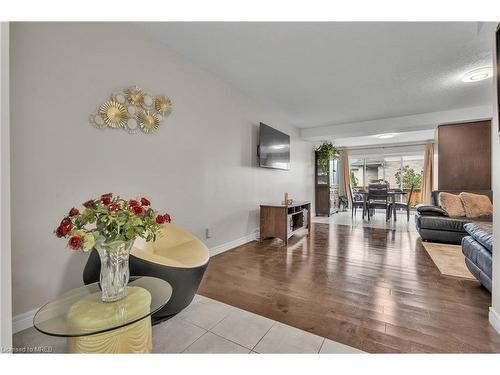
(176, 256)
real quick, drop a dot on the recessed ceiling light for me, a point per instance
(278, 147)
(385, 136)
(478, 74)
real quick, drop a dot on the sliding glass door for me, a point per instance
(374, 170)
(399, 171)
(412, 173)
(357, 173)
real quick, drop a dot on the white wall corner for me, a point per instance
(494, 318)
(5, 223)
(494, 315)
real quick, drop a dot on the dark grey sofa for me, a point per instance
(478, 248)
(434, 225)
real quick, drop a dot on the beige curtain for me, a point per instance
(428, 173)
(345, 184)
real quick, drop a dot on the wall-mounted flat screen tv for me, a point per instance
(274, 148)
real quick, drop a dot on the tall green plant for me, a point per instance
(354, 179)
(326, 151)
(410, 177)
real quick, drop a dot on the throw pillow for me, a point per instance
(476, 205)
(452, 204)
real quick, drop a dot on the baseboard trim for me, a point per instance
(23, 321)
(232, 244)
(494, 318)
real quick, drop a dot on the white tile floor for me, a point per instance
(209, 326)
(376, 221)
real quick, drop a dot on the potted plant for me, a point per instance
(344, 202)
(325, 152)
(111, 224)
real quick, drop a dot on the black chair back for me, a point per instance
(378, 191)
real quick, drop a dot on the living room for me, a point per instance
(263, 198)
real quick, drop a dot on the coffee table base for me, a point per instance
(134, 338)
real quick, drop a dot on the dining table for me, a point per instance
(391, 193)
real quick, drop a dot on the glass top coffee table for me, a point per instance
(91, 325)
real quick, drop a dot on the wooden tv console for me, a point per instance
(283, 221)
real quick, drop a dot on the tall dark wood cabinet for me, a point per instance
(325, 188)
(464, 156)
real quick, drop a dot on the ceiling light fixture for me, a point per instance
(478, 74)
(278, 147)
(385, 136)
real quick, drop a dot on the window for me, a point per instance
(334, 172)
(399, 171)
(356, 172)
(374, 170)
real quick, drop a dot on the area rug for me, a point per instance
(448, 259)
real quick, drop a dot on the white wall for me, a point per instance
(200, 167)
(495, 154)
(5, 238)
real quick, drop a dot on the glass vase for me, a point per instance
(114, 269)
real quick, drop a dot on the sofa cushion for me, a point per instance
(476, 205)
(442, 223)
(482, 233)
(452, 204)
(435, 194)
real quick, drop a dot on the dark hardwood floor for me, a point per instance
(374, 289)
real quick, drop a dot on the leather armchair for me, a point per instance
(176, 256)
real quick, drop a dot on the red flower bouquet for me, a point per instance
(110, 219)
(111, 224)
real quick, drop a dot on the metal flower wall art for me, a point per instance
(132, 109)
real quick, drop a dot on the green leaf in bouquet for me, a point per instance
(121, 218)
(130, 233)
(88, 242)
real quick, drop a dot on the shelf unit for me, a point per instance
(281, 221)
(296, 221)
(325, 189)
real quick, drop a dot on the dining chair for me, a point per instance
(357, 201)
(378, 197)
(406, 205)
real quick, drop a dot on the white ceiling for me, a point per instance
(318, 74)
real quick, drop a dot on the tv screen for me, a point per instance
(274, 148)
